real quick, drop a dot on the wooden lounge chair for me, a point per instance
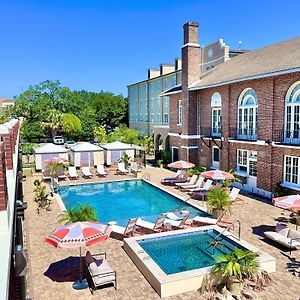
(206, 187)
(100, 271)
(121, 168)
(72, 172)
(155, 227)
(191, 182)
(194, 186)
(86, 172)
(176, 224)
(100, 171)
(127, 231)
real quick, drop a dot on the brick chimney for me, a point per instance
(191, 59)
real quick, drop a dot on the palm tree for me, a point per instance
(54, 122)
(218, 202)
(80, 214)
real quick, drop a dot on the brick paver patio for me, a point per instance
(256, 217)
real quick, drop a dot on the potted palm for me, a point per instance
(235, 267)
(218, 202)
(79, 214)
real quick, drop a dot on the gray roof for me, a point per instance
(85, 146)
(50, 148)
(117, 146)
(266, 61)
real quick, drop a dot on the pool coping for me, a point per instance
(172, 284)
(63, 207)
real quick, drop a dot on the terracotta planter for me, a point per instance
(234, 285)
(217, 214)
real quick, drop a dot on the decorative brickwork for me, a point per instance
(3, 186)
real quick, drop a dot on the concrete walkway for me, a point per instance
(52, 271)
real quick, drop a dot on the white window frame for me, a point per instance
(216, 103)
(245, 131)
(249, 158)
(290, 183)
(292, 131)
(166, 118)
(179, 117)
(215, 164)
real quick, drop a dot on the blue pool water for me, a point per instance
(188, 251)
(121, 200)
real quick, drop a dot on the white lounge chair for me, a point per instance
(195, 186)
(46, 175)
(285, 236)
(166, 179)
(72, 172)
(129, 230)
(206, 187)
(177, 224)
(204, 220)
(61, 173)
(121, 168)
(86, 172)
(191, 182)
(156, 227)
(234, 193)
(134, 167)
(100, 171)
(100, 270)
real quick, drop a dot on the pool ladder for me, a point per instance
(146, 176)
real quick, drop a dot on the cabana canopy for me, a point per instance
(50, 148)
(86, 155)
(117, 146)
(115, 150)
(86, 146)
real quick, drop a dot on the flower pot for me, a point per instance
(234, 285)
(217, 214)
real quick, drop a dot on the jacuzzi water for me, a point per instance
(187, 251)
(122, 200)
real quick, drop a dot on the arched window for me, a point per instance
(292, 113)
(247, 114)
(216, 102)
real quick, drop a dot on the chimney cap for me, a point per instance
(190, 23)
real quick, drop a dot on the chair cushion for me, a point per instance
(280, 226)
(277, 237)
(104, 279)
(93, 269)
(294, 234)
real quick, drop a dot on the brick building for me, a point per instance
(238, 112)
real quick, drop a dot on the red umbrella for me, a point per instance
(76, 235)
(217, 175)
(181, 164)
(291, 202)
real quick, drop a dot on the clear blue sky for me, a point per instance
(108, 44)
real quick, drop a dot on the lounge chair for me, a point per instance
(46, 174)
(206, 187)
(285, 236)
(127, 231)
(86, 172)
(61, 173)
(166, 179)
(194, 186)
(155, 227)
(182, 177)
(191, 182)
(176, 224)
(100, 271)
(72, 172)
(121, 168)
(134, 167)
(234, 193)
(204, 221)
(100, 171)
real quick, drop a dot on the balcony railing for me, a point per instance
(211, 132)
(290, 137)
(245, 134)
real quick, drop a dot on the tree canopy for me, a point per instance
(50, 108)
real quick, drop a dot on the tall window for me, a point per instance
(179, 112)
(247, 162)
(216, 103)
(291, 170)
(292, 115)
(166, 118)
(247, 114)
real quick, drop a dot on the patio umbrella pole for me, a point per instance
(80, 284)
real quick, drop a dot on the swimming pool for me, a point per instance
(176, 262)
(122, 200)
(187, 251)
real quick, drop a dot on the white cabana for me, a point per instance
(86, 155)
(46, 151)
(114, 151)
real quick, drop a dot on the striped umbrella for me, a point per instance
(181, 164)
(217, 175)
(76, 235)
(291, 202)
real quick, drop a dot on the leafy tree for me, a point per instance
(27, 149)
(32, 129)
(41, 196)
(71, 125)
(79, 214)
(88, 122)
(197, 170)
(126, 135)
(100, 134)
(148, 141)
